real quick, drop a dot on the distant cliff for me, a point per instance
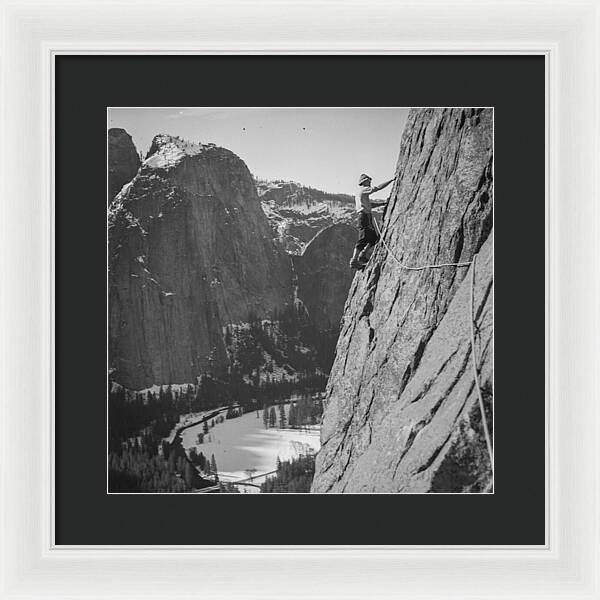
(123, 161)
(401, 410)
(197, 284)
(297, 213)
(324, 276)
(190, 251)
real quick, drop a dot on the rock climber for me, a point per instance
(367, 236)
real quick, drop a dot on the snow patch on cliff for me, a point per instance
(167, 151)
(297, 213)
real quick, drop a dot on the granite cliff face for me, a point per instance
(322, 279)
(123, 161)
(190, 251)
(297, 213)
(401, 410)
(323, 275)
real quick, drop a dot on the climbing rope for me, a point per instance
(475, 370)
(472, 319)
(461, 264)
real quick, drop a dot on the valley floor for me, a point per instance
(244, 449)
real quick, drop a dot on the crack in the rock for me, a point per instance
(342, 471)
(435, 454)
(371, 291)
(415, 360)
(429, 384)
(432, 412)
(368, 409)
(395, 297)
(483, 301)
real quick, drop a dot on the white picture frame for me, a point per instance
(566, 33)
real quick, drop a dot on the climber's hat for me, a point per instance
(363, 179)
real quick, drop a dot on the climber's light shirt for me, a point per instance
(361, 198)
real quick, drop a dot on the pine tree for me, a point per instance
(266, 416)
(272, 417)
(165, 449)
(292, 415)
(172, 461)
(205, 427)
(188, 474)
(213, 467)
(282, 416)
(189, 395)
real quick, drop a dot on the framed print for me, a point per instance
(284, 338)
(300, 294)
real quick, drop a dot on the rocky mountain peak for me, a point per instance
(123, 160)
(167, 151)
(291, 193)
(297, 213)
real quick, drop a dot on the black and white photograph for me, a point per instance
(300, 300)
(266, 268)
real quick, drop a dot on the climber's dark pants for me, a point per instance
(367, 236)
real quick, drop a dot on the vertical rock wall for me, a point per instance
(190, 250)
(123, 161)
(323, 274)
(401, 410)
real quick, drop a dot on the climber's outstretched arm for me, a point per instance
(376, 188)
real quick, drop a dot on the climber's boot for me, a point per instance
(355, 263)
(365, 255)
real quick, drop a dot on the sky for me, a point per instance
(324, 148)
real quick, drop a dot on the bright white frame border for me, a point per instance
(566, 32)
